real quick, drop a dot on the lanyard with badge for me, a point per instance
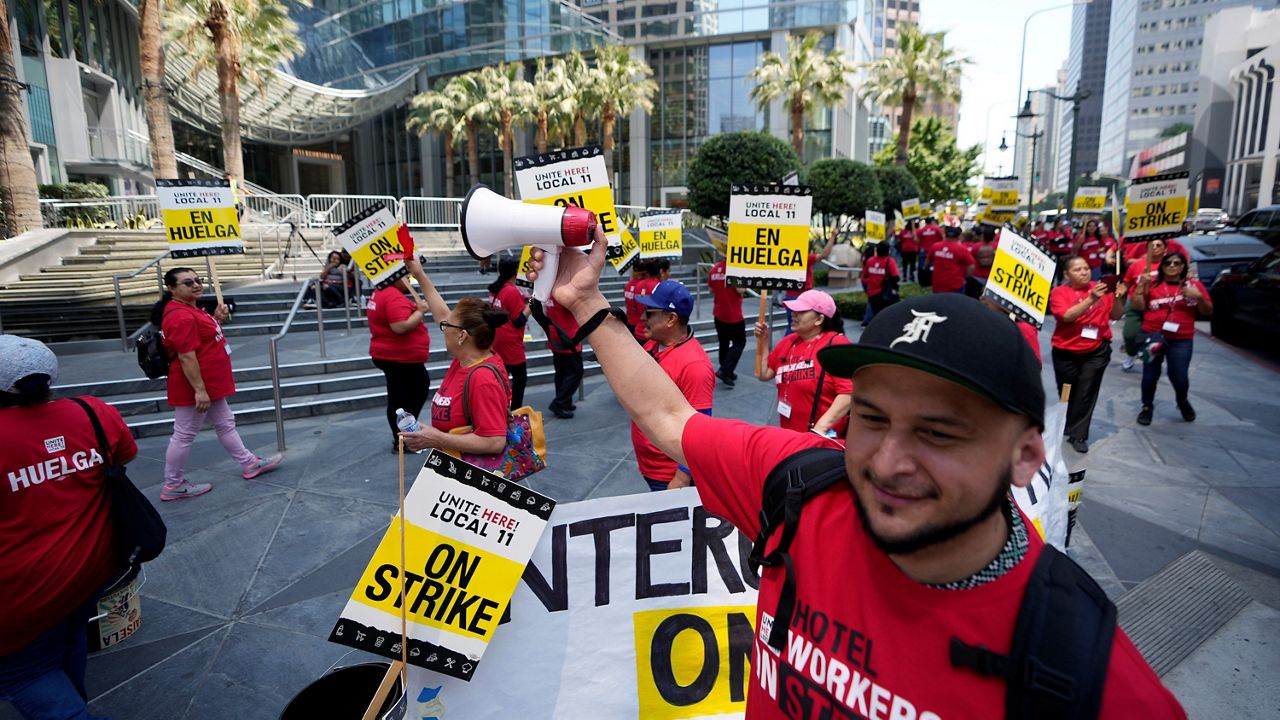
(784, 402)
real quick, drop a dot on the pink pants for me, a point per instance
(187, 422)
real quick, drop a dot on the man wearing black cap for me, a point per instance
(919, 546)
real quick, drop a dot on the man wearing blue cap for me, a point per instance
(904, 580)
(672, 345)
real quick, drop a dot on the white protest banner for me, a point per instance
(468, 538)
(577, 177)
(1003, 194)
(199, 217)
(639, 606)
(371, 237)
(660, 235)
(1021, 277)
(1154, 207)
(911, 208)
(1044, 501)
(1090, 200)
(874, 224)
(768, 236)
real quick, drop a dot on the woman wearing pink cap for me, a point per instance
(808, 399)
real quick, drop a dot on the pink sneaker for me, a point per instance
(185, 490)
(263, 466)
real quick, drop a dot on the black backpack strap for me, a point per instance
(817, 393)
(1057, 664)
(786, 489)
(97, 429)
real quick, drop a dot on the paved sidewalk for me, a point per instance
(237, 609)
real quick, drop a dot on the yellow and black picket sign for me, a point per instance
(661, 235)
(371, 237)
(768, 236)
(577, 176)
(525, 267)
(874, 224)
(911, 208)
(199, 218)
(1090, 200)
(1155, 207)
(1021, 277)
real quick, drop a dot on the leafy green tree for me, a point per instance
(919, 69)
(843, 190)
(896, 184)
(1176, 129)
(745, 157)
(808, 79)
(940, 167)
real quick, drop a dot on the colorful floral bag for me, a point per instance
(526, 451)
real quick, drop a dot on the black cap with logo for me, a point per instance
(955, 338)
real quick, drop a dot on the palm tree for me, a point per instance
(579, 100)
(807, 79)
(155, 98)
(468, 92)
(921, 68)
(441, 110)
(620, 83)
(552, 99)
(19, 194)
(508, 101)
(244, 40)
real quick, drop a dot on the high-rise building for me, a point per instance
(890, 16)
(1152, 77)
(1086, 71)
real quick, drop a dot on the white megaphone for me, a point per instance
(491, 223)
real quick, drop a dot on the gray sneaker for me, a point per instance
(185, 490)
(263, 465)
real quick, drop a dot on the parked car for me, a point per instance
(1246, 302)
(1263, 223)
(1211, 253)
(1210, 219)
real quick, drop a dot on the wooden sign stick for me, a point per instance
(1066, 394)
(384, 689)
(401, 666)
(762, 347)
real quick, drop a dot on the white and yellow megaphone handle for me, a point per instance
(547, 275)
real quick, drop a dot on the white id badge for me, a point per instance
(1170, 326)
(784, 408)
(228, 348)
(1089, 333)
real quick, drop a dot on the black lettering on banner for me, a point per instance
(660, 650)
(599, 529)
(647, 547)
(554, 596)
(711, 539)
(741, 640)
(384, 585)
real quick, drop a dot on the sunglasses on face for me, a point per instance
(191, 282)
(1173, 262)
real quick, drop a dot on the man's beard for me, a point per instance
(928, 536)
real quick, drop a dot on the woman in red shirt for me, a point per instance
(508, 342)
(399, 346)
(1081, 343)
(880, 280)
(1155, 250)
(1094, 247)
(909, 248)
(470, 396)
(199, 384)
(809, 398)
(1169, 307)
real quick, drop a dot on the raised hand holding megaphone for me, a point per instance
(491, 222)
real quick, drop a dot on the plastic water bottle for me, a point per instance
(406, 421)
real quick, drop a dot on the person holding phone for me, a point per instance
(1081, 342)
(1169, 306)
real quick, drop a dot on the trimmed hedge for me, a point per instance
(853, 304)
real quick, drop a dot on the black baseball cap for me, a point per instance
(953, 337)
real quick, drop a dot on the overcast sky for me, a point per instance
(989, 32)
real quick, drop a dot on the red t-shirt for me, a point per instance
(796, 367)
(865, 639)
(1032, 335)
(1094, 249)
(907, 241)
(390, 305)
(508, 340)
(1138, 250)
(949, 259)
(187, 328)
(982, 250)
(688, 366)
(1171, 313)
(487, 397)
(564, 320)
(1058, 242)
(635, 311)
(726, 302)
(1087, 332)
(929, 235)
(56, 544)
(874, 271)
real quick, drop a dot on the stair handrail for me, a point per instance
(115, 282)
(274, 350)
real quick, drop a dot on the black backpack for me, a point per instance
(1061, 648)
(153, 358)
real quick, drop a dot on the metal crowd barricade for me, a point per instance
(273, 209)
(274, 350)
(115, 282)
(328, 211)
(430, 213)
(122, 212)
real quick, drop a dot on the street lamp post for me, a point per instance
(1022, 59)
(1034, 137)
(1076, 98)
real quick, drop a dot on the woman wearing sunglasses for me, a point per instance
(1169, 305)
(199, 384)
(471, 394)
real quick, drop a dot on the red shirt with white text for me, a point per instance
(1168, 312)
(795, 363)
(949, 259)
(874, 270)
(488, 399)
(726, 302)
(188, 329)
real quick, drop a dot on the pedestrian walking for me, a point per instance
(1081, 342)
(880, 280)
(200, 383)
(807, 398)
(399, 346)
(508, 342)
(1097, 248)
(57, 551)
(672, 345)
(1148, 263)
(952, 265)
(731, 326)
(1169, 306)
(910, 250)
(566, 357)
